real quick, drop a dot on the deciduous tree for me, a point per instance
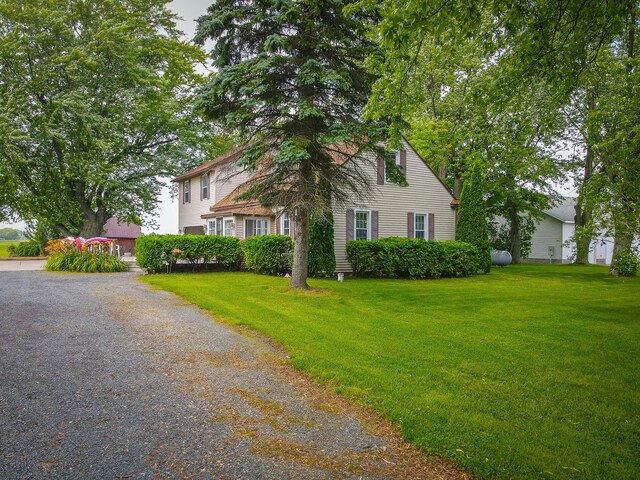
(94, 107)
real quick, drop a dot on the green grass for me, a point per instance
(4, 244)
(529, 372)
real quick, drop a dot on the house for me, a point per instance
(124, 234)
(424, 208)
(551, 239)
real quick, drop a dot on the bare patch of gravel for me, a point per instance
(103, 377)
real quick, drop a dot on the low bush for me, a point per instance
(74, 261)
(31, 248)
(411, 257)
(268, 254)
(626, 264)
(157, 252)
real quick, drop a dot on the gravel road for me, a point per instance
(102, 377)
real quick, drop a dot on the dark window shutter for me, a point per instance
(278, 220)
(403, 162)
(201, 183)
(374, 225)
(380, 169)
(432, 229)
(349, 224)
(410, 225)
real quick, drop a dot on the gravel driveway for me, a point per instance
(103, 377)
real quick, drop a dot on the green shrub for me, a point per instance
(155, 252)
(322, 257)
(31, 248)
(462, 259)
(626, 264)
(84, 262)
(268, 254)
(412, 257)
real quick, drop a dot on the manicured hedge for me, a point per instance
(412, 257)
(269, 254)
(73, 261)
(157, 252)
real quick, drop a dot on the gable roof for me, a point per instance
(565, 211)
(114, 229)
(232, 155)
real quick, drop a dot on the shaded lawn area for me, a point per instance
(532, 371)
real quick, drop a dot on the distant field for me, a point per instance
(4, 244)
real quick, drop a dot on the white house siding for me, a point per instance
(548, 233)
(189, 214)
(226, 181)
(424, 194)
(568, 248)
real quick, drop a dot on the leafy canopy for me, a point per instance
(94, 106)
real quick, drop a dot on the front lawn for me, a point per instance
(529, 372)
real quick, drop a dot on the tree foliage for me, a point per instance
(508, 70)
(291, 83)
(472, 218)
(322, 257)
(94, 107)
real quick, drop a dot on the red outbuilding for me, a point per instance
(124, 234)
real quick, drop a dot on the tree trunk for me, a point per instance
(626, 223)
(300, 268)
(457, 186)
(514, 231)
(583, 236)
(93, 222)
(621, 243)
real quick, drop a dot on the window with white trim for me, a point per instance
(362, 225)
(219, 229)
(392, 156)
(420, 225)
(186, 191)
(204, 185)
(254, 227)
(229, 227)
(211, 226)
(286, 224)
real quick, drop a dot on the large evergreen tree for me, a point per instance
(291, 83)
(94, 106)
(472, 218)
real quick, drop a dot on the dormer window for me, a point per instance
(204, 186)
(393, 156)
(186, 191)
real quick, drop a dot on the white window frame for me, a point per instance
(204, 186)
(397, 155)
(355, 223)
(285, 230)
(256, 219)
(186, 191)
(426, 224)
(210, 222)
(224, 226)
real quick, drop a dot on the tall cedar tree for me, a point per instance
(291, 83)
(472, 218)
